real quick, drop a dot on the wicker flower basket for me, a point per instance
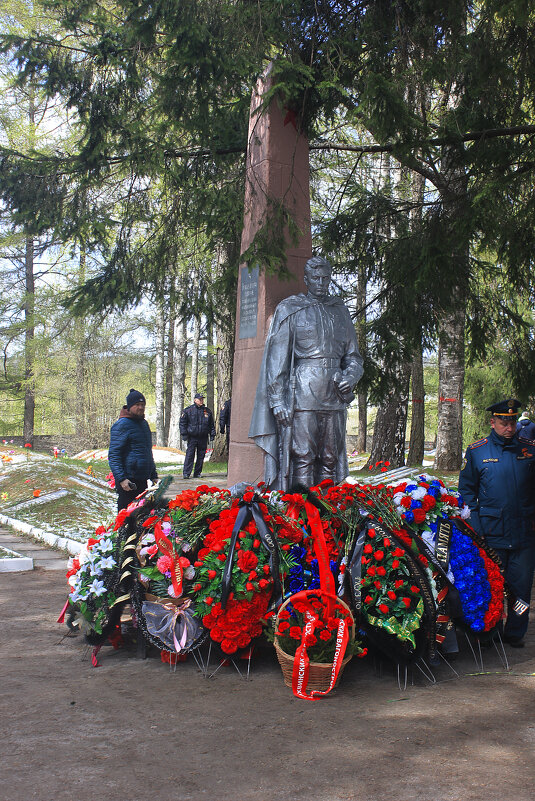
(319, 676)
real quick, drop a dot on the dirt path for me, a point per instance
(130, 730)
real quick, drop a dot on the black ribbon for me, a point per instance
(354, 569)
(270, 545)
(251, 511)
(443, 542)
(424, 549)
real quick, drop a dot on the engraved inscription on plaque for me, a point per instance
(248, 302)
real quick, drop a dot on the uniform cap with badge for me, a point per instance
(505, 408)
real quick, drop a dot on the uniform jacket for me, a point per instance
(497, 481)
(130, 451)
(196, 422)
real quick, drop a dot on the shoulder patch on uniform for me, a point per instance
(478, 443)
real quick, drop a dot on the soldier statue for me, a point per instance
(311, 364)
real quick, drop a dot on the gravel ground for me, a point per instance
(131, 729)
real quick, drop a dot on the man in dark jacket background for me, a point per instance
(224, 419)
(196, 425)
(130, 452)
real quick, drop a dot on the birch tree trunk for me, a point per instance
(29, 343)
(80, 406)
(452, 326)
(179, 382)
(195, 358)
(450, 390)
(159, 382)
(417, 444)
(210, 389)
(29, 306)
(224, 360)
(169, 368)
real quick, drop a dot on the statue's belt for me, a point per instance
(319, 361)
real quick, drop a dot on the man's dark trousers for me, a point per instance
(195, 446)
(518, 565)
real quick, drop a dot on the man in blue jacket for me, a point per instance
(196, 425)
(130, 452)
(497, 481)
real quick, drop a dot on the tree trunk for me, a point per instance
(179, 382)
(194, 387)
(29, 343)
(210, 389)
(417, 444)
(388, 443)
(224, 361)
(362, 396)
(159, 382)
(450, 389)
(169, 369)
(452, 326)
(80, 405)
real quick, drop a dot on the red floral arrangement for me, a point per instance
(238, 623)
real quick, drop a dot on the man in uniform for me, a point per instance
(311, 364)
(196, 425)
(497, 481)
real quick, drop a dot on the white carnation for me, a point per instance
(419, 493)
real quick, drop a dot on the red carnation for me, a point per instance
(428, 502)
(247, 561)
(419, 515)
(383, 608)
(379, 555)
(392, 595)
(212, 574)
(295, 632)
(407, 602)
(368, 599)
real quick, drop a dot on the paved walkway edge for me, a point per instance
(71, 546)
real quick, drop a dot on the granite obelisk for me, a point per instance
(277, 173)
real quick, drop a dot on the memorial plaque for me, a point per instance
(248, 302)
